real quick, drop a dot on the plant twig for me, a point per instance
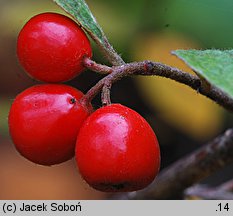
(105, 96)
(110, 54)
(189, 170)
(208, 193)
(227, 186)
(92, 65)
(149, 68)
(115, 73)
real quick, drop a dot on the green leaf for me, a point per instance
(82, 14)
(216, 66)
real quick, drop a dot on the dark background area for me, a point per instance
(139, 30)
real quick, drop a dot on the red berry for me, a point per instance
(44, 121)
(117, 150)
(51, 47)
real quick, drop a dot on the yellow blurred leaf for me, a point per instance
(176, 103)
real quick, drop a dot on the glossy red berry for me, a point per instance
(117, 150)
(51, 47)
(44, 121)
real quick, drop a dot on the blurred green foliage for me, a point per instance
(209, 21)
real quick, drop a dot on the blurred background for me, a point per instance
(139, 29)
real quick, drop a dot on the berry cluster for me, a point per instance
(115, 148)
